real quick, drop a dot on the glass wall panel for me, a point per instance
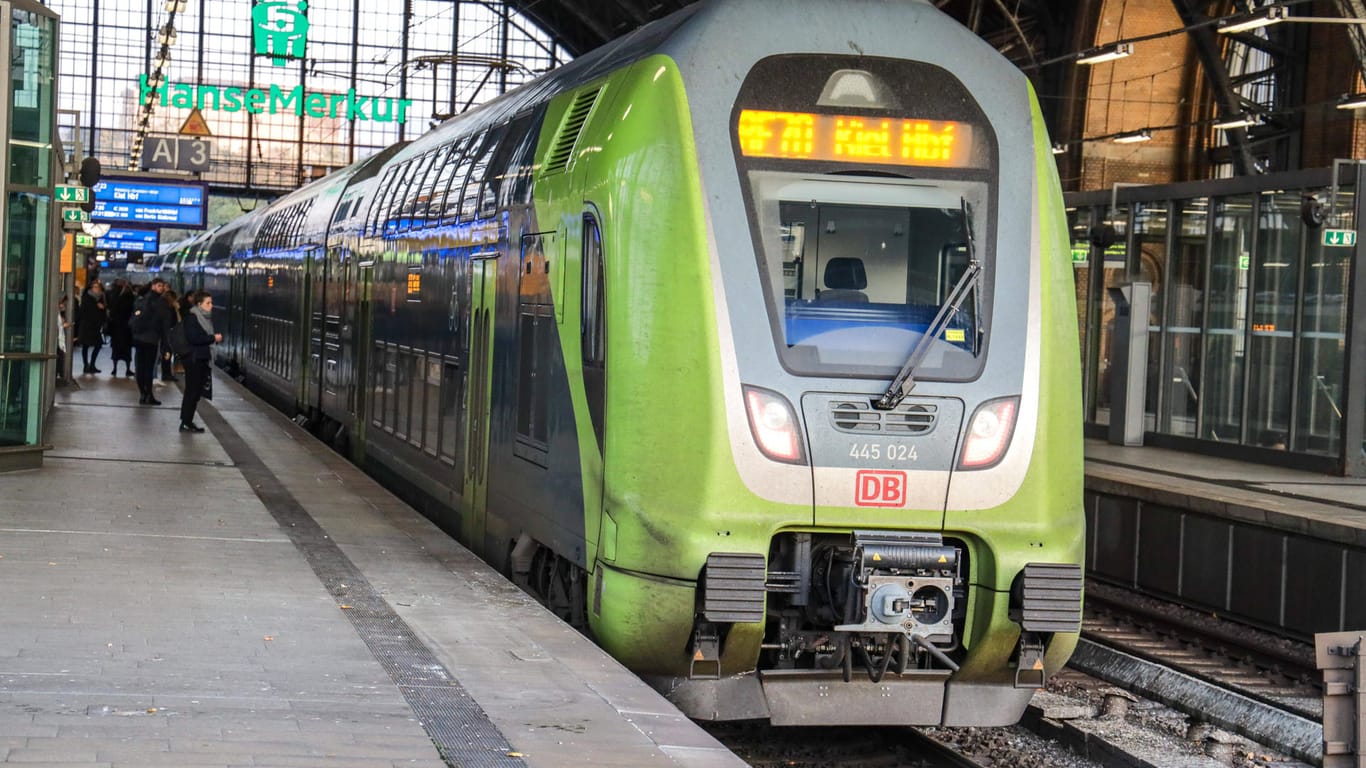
(1116, 270)
(1183, 310)
(19, 383)
(1150, 243)
(1079, 224)
(1275, 290)
(1323, 340)
(1221, 401)
(25, 278)
(30, 135)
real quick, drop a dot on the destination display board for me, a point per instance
(129, 240)
(151, 203)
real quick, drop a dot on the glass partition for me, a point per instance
(1079, 224)
(1221, 407)
(1114, 272)
(1150, 247)
(1323, 339)
(1250, 322)
(1183, 319)
(1276, 270)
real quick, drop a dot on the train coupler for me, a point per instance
(706, 649)
(1029, 669)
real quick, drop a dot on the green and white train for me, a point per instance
(745, 341)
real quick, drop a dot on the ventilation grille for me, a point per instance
(860, 417)
(570, 128)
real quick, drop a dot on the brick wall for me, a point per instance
(1162, 84)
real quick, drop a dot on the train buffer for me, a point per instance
(1340, 655)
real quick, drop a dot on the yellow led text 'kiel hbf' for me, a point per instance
(843, 138)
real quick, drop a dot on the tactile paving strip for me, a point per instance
(458, 726)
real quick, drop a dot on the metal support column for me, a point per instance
(1340, 655)
(1354, 378)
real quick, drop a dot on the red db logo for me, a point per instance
(880, 489)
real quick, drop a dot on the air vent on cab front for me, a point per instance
(860, 417)
(562, 150)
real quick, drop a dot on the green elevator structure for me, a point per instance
(30, 235)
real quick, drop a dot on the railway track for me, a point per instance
(1254, 664)
(1261, 686)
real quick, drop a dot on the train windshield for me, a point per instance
(858, 175)
(858, 269)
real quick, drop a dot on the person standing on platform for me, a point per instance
(62, 325)
(91, 316)
(199, 333)
(151, 326)
(168, 354)
(121, 298)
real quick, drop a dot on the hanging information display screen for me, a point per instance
(130, 240)
(151, 203)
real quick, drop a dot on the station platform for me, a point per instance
(245, 597)
(1280, 548)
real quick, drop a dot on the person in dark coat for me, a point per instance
(91, 316)
(151, 326)
(167, 361)
(199, 333)
(121, 298)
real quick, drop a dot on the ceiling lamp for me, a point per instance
(1105, 53)
(1265, 17)
(1352, 101)
(1239, 121)
(1133, 137)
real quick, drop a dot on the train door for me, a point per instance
(356, 348)
(482, 283)
(315, 293)
(237, 325)
(335, 380)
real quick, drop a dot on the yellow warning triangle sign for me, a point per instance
(195, 125)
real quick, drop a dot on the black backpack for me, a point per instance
(140, 322)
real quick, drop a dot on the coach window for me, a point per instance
(389, 206)
(593, 325)
(444, 170)
(462, 171)
(416, 189)
(376, 213)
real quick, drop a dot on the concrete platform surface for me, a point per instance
(1321, 506)
(162, 607)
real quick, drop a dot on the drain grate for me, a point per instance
(457, 725)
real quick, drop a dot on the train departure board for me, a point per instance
(853, 139)
(151, 202)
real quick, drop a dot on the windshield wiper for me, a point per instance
(968, 284)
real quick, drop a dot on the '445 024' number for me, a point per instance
(893, 453)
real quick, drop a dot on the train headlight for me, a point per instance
(774, 425)
(989, 433)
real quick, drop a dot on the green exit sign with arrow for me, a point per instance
(85, 241)
(1341, 238)
(74, 214)
(73, 194)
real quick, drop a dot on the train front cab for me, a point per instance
(786, 546)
